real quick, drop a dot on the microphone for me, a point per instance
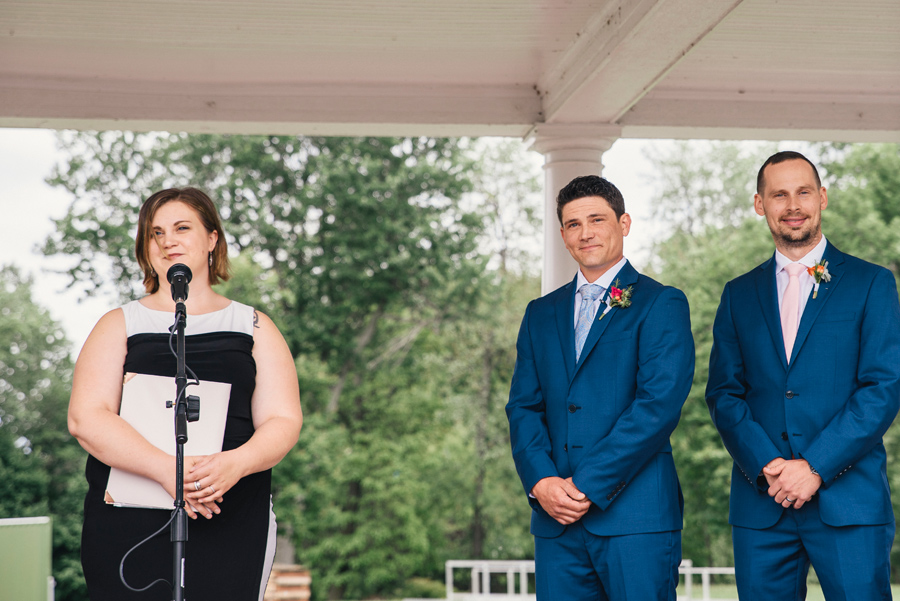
(179, 276)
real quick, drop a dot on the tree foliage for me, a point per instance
(706, 198)
(398, 269)
(372, 256)
(40, 464)
(705, 184)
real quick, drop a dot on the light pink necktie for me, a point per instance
(790, 306)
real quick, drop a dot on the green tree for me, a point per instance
(478, 496)
(463, 487)
(696, 265)
(40, 464)
(398, 270)
(705, 199)
(705, 184)
(481, 356)
(361, 249)
(863, 214)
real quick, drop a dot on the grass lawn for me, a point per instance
(728, 591)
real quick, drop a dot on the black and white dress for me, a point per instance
(227, 557)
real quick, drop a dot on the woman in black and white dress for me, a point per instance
(231, 542)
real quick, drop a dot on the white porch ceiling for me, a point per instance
(777, 69)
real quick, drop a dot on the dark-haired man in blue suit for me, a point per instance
(804, 380)
(604, 366)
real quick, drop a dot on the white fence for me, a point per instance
(687, 568)
(481, 579)
(517, 573)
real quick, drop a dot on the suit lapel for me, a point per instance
(565, 320)
(627, 276)
(814, 306)
(768, 302)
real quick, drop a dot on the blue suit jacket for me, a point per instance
(605, 420)
(831, 405)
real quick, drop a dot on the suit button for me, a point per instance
(610, 496)
(566, 447)
(789, 394)
(572, 408)
(784, 436)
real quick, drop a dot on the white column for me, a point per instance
(570, 150)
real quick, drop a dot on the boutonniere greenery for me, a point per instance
(819, 273)
(617, 298)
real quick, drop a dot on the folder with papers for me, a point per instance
(144, 407)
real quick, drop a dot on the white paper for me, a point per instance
(144, 407)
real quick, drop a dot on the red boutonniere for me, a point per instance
(617, 298)
(819, 273)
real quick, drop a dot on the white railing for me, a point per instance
(517, 572)
(687, 568)
(481, 579)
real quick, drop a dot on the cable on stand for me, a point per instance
(187, 408)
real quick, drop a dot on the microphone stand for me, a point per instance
(179, 529)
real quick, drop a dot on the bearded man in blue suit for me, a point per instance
(804, 380)
(604, 366)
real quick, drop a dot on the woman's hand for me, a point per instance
(211, 476)
(193, 508)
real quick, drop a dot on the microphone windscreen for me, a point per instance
(179, 269)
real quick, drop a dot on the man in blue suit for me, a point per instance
(804, 380)
(604, 366)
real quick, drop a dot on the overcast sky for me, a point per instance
(28, 155)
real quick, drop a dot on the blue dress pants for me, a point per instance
(580, 566)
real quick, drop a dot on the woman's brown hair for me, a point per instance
(220, 271)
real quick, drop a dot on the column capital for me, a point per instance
(570, 150)
(576, 141)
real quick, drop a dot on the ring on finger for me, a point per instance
(197, 485)
(791, 501)
(212, 489)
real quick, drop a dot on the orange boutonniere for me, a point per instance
(617, 298)
(819, 273)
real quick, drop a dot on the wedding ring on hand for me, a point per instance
(791, 501)
(212, 489)
(197, 485)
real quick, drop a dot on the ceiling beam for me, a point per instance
(761, 116)
(321, 109)
(622, 53)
